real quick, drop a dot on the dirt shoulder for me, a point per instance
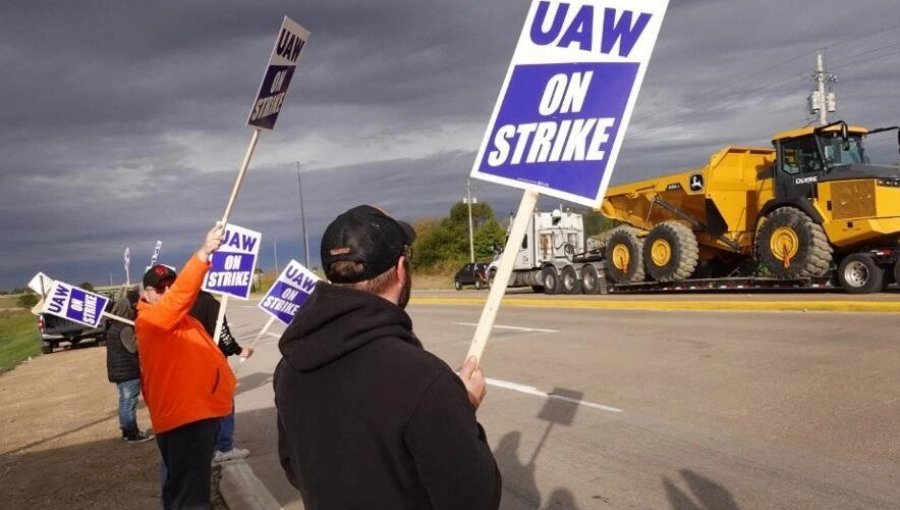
(60, 444)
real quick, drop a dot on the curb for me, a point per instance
(242, 490)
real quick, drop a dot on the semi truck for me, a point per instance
(812, 211)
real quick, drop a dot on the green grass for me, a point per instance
(19, 338)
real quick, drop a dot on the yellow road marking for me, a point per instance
(698, 305)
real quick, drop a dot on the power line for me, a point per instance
(726, 94)
(870, 34)
(841, 59)
(857, 62)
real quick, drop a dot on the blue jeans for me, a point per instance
(225, 440)
(128, 395)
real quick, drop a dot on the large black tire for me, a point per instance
(670, 252)
(590, 279)
(46, 347)
(859, 274)
(478, 284)
(625, 255)
(790, 245)
(551, 281)
(456, 284)
(571, 284)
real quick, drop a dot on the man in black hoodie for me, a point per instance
(366, 417)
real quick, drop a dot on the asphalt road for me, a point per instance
(657, 409)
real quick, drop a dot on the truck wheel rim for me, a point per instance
(856, 274)
(784, 242)
(621, 257)
(660, 252)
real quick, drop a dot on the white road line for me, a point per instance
(517, 328)
(531, 390)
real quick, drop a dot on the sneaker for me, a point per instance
(139, 437)
(232, 454)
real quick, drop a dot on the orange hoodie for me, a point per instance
(184, 376)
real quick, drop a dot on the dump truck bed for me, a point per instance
(721, 196)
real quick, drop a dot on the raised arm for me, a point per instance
(177, 301)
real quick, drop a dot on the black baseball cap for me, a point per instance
(158, 274)
(368, 236)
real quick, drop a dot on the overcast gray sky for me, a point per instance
(123, 122)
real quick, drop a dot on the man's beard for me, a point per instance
(403, 300)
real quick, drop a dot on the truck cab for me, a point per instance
(829, 153)
(551, 241)
(831, 204)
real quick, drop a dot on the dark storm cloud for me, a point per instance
(123, 122)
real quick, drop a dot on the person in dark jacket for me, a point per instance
(366, 417)
(206, 310)
(123, 367)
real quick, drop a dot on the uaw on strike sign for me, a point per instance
(75, 304)
(289, 292)
(285, 55)
(232, 265)
(560, 119)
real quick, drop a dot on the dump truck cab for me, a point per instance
(827, 172)
(807, 155)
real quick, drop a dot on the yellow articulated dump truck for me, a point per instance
(808, 210)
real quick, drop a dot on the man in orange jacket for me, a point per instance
(187, 383)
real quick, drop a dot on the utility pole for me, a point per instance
(469, 199)
(303, 217)
(822, 102)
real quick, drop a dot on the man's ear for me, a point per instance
(402, 271)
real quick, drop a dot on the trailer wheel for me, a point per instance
(590, 280)
(859, 274)
(571, 284)
(790, 245)
(550, 279)
(671, 252)
(626, 264)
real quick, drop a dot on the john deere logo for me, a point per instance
(697, 182)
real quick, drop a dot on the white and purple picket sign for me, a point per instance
(232, 266)
(559, 121)
(282, 63)
(75, 304)
(289, 292)
(155, 255)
